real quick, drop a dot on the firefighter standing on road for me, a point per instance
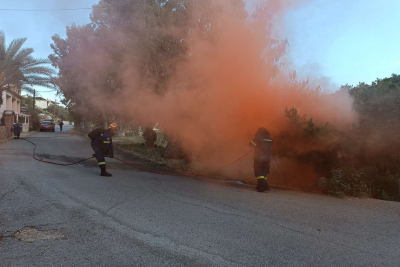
(17, 129)
(102, 145)
(61, 125)
(262, 156)
(150, 136)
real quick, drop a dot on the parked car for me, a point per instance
(47, 125)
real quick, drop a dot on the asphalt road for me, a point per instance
(141, 219)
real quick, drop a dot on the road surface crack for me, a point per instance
(11, 191)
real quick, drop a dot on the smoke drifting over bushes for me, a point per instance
(228, 88)
(221, 90)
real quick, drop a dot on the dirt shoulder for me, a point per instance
(132, 150)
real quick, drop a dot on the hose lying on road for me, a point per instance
(160, 173)
(142, 169)
(187, 175)
(134, 166)
(49, 162)
(174, 174)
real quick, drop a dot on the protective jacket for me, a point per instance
(263, 144)
(17, 129)
(150, 136)
(102, 145)
(262, 156)
(104, 141)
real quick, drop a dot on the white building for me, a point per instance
(42, 103)
(11, 101)
(12, 105)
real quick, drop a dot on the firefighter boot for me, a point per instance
(105, 173)
(266, 185)
(262, 185)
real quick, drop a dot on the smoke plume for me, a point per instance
(226, 87)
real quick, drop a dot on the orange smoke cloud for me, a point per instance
(227, 88)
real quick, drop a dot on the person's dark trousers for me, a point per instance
(16, 135)
(60, 128)
(261, 171)
(99, 155)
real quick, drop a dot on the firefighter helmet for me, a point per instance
(113, 126)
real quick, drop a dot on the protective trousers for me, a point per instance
(99, 154)
(261, 171)
(17, 133)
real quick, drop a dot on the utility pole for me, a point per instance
(195, 17)
(34, 96)
(55, 109)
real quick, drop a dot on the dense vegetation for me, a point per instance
(363, 160)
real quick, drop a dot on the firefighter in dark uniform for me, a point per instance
(103, 146)
(262, 156)
(61, 125)
(17, 129)
(150, 136)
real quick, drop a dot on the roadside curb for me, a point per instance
(30, 133)
(5, 140)
(25, 135)
(154, 160)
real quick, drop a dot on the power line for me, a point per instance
(45, 10)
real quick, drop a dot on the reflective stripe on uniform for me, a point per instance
(101, 134)
(106, 142)
(254, 143)
(261, 177)
(102, 163)
(267, 140)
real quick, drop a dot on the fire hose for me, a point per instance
(160, 173)
(183, 175)
(49, 162)
(134, 166)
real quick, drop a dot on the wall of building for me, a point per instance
(10, 102)
(41, 103)
(5, 132)
(3, 106)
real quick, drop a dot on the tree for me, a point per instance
(94, 57)
(27, 102)
(61, 112)
(72, 81)
(18, 68)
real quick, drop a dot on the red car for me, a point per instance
(47, 125)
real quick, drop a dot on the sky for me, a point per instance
(39, 27)
(344, 41)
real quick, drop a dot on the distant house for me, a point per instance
(42, 103)
(11, 107)
(11, 102)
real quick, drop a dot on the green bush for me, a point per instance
(349, 181)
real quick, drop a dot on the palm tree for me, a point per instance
(19, 69)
